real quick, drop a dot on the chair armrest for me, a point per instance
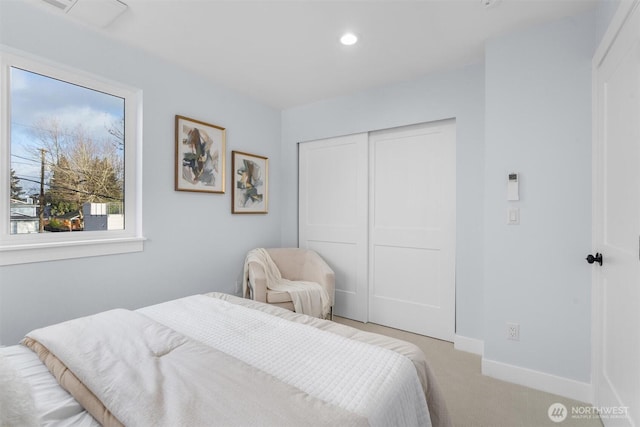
(317, 270)
(258, 282)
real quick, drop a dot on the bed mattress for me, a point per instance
(54, 406)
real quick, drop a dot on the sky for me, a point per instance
(34, 98)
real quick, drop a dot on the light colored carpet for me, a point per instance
(475, 400)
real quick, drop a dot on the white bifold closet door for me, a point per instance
(406, 234)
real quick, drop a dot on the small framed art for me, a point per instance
(200, 156)
(250, 189)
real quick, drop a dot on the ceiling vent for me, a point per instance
(61, 4)
(99, 13)
(486, 3)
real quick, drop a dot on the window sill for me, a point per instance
(40, 252)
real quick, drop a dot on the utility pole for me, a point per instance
(41, 227)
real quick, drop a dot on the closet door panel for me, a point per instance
(412, 229)
(332, 217)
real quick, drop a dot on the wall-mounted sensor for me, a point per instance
(512, 187)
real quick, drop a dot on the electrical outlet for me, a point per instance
(513, 331)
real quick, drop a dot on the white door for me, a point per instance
(332, 217)
(412, 228)
(616, 216)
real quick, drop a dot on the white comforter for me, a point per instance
(146, 374)
(197, 359)
(361, 378)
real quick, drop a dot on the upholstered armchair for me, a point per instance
(294, 264)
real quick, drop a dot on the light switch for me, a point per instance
(513, 216)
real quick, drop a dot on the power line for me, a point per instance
(75, 190)
(67, 168)
(19, 163)
(25, 158)
(30, 177)
(29, 180)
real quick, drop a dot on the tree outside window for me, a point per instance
(67, 154)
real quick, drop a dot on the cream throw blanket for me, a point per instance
(308, 297)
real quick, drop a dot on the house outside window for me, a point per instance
(24, 216)
(70, 150)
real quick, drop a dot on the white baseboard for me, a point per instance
(538, 380)
(470, 345)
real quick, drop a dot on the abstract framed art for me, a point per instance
(200, 156)
(250, 189)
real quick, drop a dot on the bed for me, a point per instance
(217, 359)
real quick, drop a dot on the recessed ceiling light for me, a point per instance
(349, 39)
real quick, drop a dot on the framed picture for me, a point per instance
(250, 191)
(200, 156)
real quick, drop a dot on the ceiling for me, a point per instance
(287, 53)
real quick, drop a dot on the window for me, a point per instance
(70, 151)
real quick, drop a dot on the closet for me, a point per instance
(380, 208)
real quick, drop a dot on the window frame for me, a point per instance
(37, 247)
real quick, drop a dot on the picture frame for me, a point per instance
(250, 183)
(200, 156)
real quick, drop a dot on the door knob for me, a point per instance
(591, 259)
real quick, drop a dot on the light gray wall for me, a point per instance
(529, 111)
(458, 94)
(538, 123)
(194, 242)
(605, 11)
